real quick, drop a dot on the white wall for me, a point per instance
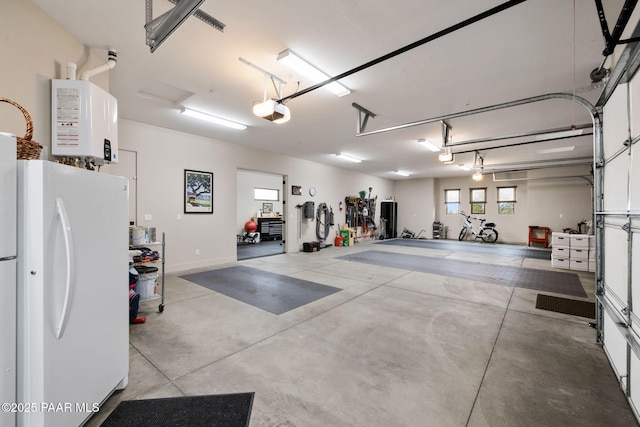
(163, 155)
(558, 203)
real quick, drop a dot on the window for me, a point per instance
(266, 194)
(478, 197)
(506, 200)
(452, 201)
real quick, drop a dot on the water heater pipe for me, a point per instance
(111, 62)
(71, 70)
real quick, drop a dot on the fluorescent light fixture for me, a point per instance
(349, 158)
(213, 119)
(464, 167)
(556, 150)
(272, 110)
(309, 72)
(557, 135)
(447, 156)
(477, 176)
(429, 145)
(401, 173)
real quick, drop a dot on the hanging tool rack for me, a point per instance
(360, 213)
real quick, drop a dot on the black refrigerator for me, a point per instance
(389, 217)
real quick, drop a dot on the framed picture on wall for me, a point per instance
(296, 190)
(198, 192)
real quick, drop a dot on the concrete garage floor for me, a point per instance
(393, 348)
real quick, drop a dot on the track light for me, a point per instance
(309, 72)
(272, 111)
(349, 158)
(212, 119)
(429, 145)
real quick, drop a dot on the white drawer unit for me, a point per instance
(592, 265)
(560, 252)
(592, 242)
(561, 239)
(582, 254)
(559, 262)
(580, 241)
(579, 264)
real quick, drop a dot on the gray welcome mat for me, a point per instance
(566, 306)
(225, 410)
(531, 278)
(272, 292)
(480, 248)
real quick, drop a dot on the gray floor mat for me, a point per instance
(272, 292)
(481, 248)
(530, 278)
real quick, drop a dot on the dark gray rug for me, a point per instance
(530, 278)
(272, 292)
(261, 249)
(226, 410)
(480, 248)
(567, 306)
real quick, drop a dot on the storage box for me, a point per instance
(560, 252)
(578, 264)
(558, 262)
(580, 254)
(561, 239)
(592, 242)
(311, 246)
(592, 265)
(580, 241)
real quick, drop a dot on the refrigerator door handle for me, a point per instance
(70, 283)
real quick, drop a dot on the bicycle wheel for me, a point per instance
(463, 233)
(489, 235)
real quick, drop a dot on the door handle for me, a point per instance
(70, 266)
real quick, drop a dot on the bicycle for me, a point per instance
(487, 231)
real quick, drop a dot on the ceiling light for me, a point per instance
(349, 158)
(447, 156)
(558, 135)
(429, 145)
(464, 167)
(213, 119)
(477, 176)
(401, 173)
(272, 110)
(309, 72)
(555, 150)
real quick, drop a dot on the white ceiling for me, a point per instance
(525, 51)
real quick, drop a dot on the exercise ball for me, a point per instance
(250, 227)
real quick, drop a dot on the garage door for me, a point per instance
(619, 237)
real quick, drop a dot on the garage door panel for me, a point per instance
(615, 121)
(635, 380)
(635, 177)
(634, 104)
(615, 259)
(616, 184)
(615, 345)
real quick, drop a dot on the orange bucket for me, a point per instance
(339, 241)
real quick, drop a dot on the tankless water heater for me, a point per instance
(84, 121)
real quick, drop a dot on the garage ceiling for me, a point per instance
(530, 49)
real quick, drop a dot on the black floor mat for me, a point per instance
(530, 278)
(272, 292)
(480, 248)
(226, 410)
(566, 306)
(260, 249)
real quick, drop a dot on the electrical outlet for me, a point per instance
(148, 217)
(197, 252)
(179, 217)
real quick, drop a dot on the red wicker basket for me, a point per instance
(27, 149)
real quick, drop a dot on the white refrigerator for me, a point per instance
(8, 253)
(72, 305)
